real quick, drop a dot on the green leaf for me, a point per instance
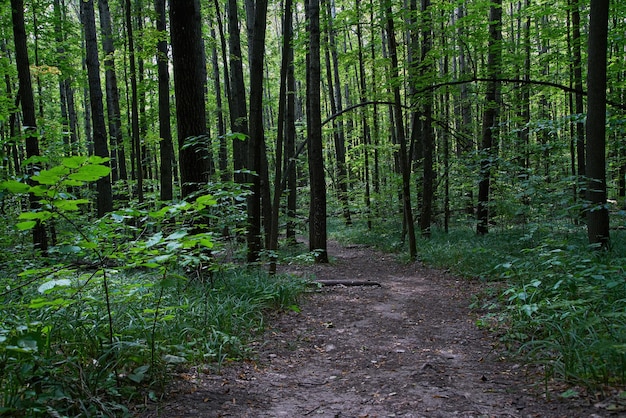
(154, 240)
(52, 284)
(90, 172)
(26, 225)
(74, 162)
(52, 176)
(15, 186)
(69, 205)
(177, 235)
(94, 159)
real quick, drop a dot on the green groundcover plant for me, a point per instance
(119, 303)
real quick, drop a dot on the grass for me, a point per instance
(57, 355)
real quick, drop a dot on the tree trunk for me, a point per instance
(118, 160)
(166, 147)
(189, 81)
(428, 141)
(40, 239)
(400, 135)
(597, 212)
(134, 105)
(238, 111)
(490, 115)
(578, 86)
(104, 200)
(317, 209)
(257, 134)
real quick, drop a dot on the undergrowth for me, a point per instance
(120, 303)
(563, 306)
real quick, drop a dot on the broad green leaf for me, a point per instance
(52, 284)
(15, 186)
(69, 205)
(154, 240)
(24, 226)
(177, 235)
(94, 159)
(43, 215)
(90, 172)
(74, 162)
(52, 176)
(206, 200)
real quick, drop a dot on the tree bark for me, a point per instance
(597, 212)
(257, 135)
(189, 81)
(118, 162)
(428, 141)
(490, 115)
(400, 135)
(134, 104)
(317, 209)
(104, 200)
(238, 108)
(29, 118)
(166, 146)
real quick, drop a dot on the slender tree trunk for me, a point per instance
(166, 146)
(578, 85)
(40, 239)
(222, 159)
(597, 212)
(339, 131)
(238, 111)
(290, 145)
(257, 135)
(490, 115)
(428, 141)
(400, 134)
(104, 200)
(134, 105)
(118, 161)
(189, 81)
(280, 142)
(317, 211)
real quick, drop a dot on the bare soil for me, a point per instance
(407, 348)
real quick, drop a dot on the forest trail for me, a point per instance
(409, 348)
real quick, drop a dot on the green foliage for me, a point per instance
(121, 301)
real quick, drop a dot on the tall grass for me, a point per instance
(56, 356)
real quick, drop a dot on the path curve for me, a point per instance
(409, 348)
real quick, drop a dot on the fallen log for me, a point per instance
(324, 282)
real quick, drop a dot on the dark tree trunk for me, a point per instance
(400, 135)
(40, 239)
(364, 122)
(189, 81)
(134, 105)
(166, 146)
(222, 160)
(490, 115)
(428, 141)
(337, 106)
(578, 85)
(290, 146)
(104, 200)
(597, 212)
(317, 209)
(280, 142)
(257, 135)
(223, 144)
(238, 111)
(118, 160)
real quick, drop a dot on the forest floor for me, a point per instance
(407, 348)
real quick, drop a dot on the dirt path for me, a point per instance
(406, 349)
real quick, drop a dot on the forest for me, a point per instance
(159, 160)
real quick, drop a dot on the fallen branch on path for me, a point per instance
(324, 282)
